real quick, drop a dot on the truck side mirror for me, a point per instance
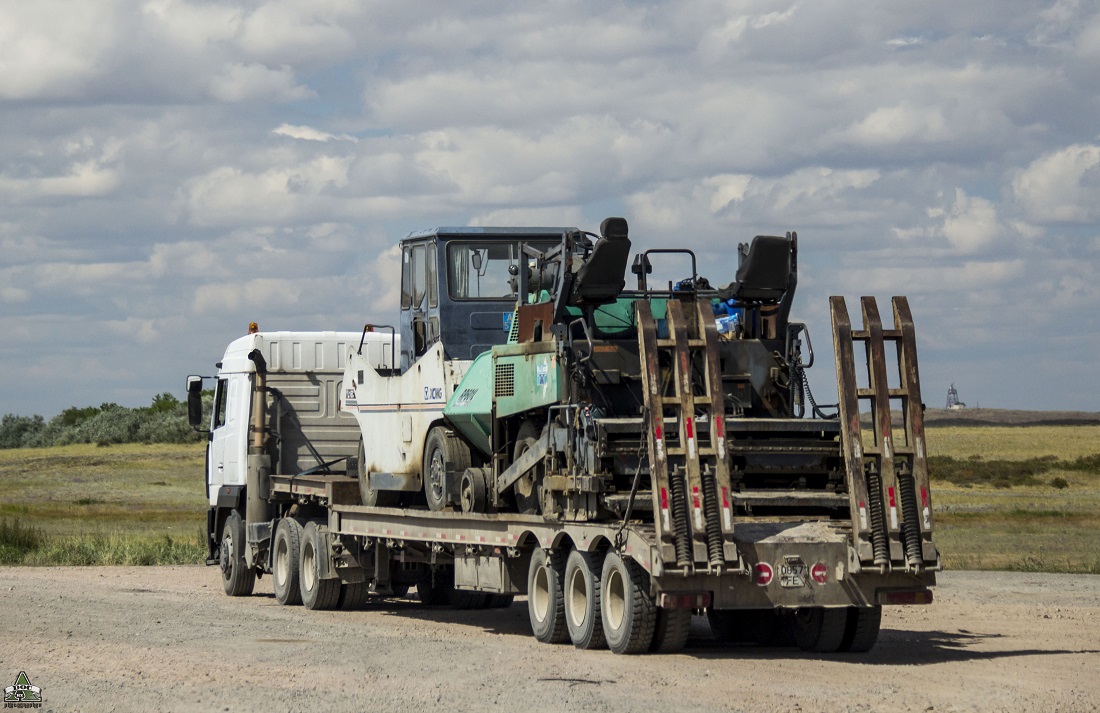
(194, 402)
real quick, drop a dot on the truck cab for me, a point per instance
(457, 288)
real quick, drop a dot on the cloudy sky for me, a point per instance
(171, 170)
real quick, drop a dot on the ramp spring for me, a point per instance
(715, 552)
(879, 543)
(677, 486)
(910, 531)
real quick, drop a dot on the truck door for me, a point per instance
(228, 433)
(419, 301)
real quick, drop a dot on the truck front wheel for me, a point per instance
(237, 577)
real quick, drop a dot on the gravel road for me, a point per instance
(168, 639)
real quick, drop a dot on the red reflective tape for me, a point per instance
(657, 432)
(720, 427)
(695, 497)
(690, 429)
(924, 496)
(664, 498)
(893, 500)
(725, 497)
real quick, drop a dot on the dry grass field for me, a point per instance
(144, 504)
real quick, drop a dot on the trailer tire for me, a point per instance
(465, 599)
(317, 593)
(443, 453)
(819, 629)
(367, 494)
(435, 587)
(545, 597)
(285, 563)
(862, 629)
(747, 626)
(238, 578)
(353, 596)
(629, 614)
(583, 614)
(670, 632)
(500, 601)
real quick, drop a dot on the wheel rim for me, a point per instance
(578, 597)
(308, 576)
(282, 562)
(614, 604)
(540, 594)
(466, 497)
(227, 555)
(435, 475)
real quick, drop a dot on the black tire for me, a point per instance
(237, 577)
(581, 586)
(435, 587)
(474, 491)
(861, 631)
(528, 489)
(747, 626)
(545, 598)
(317, 593)
(500, 601)
(819, 629)
(464, 599)
(353, 596)
(670, 632)
(286, 549)
(400, 591)
(367, 494)
(629, 614)
(443, 453)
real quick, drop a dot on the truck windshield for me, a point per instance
(479, 270)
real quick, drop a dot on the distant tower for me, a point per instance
(953, 403)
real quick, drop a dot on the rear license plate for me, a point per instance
(792, 574)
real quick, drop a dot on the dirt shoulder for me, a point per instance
(168, 639)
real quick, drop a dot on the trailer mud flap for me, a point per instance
(498, 575)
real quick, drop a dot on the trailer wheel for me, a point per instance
(465, 599)
(367, 494)
(670, 631)
(862, 629)
(819, 629)
(443, 453)
(285, 562)
(500, 601)
(317, 593)
(583, 614)
(545, 598)
(629, 614)
(435, 587)
(237, 577)
(746, 626)
(353, 596)
(527, 489)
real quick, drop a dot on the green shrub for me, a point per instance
(18, 540)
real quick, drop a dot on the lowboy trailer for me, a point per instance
(622, 457)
